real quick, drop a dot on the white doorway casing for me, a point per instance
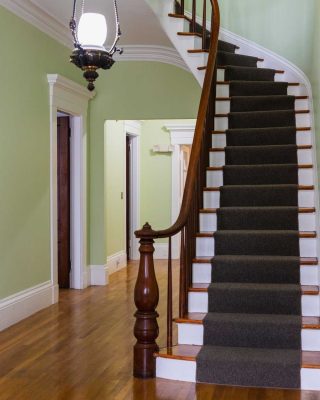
(180, 135)
(133, 129)
(72, 99)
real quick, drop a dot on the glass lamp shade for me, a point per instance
(92, 31)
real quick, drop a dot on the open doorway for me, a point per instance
(128, 196)
(63, 201)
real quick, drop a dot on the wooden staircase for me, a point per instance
(197, 221)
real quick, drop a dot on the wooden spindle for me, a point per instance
(182, 7)
(169, 305)
(182, 309)
(146, 298)
(204, 25)
(194, 16)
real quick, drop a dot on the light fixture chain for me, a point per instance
(113, 48)
(82, 8)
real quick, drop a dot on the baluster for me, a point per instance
(204, 25)
(146, 297)
(182, 294)
(169, 300)
(182, 7)
(194, 16)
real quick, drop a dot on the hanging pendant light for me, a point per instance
(89, 37)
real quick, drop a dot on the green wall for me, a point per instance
(283, 26)
(115, 152)
(133, 91)
(155, 179)
(315, 75)
(27, 55)
(155, 175)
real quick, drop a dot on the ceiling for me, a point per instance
(138, 23)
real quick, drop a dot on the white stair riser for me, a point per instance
(223, 90)
(303, 138)
(205, 247)
(223, 107)
(309, 275)
(198, 303)
(310, 379)
(185, 371)
(192, 334)
(221, 123)
(305, 175)
(218, 158)
(208, 222)
(176, 370)
(306, 198)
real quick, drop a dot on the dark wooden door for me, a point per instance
(64, 264)
(128, 190)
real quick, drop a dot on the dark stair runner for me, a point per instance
(252, 332)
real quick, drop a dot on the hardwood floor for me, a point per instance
(81, 349)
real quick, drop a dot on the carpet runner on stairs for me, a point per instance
(252, 332)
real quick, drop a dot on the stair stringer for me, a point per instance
(172, 26)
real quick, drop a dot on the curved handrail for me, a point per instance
(198, 136)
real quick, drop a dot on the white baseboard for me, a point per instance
(116, 261)
(97, 275)
(161, 251)
(23, 304)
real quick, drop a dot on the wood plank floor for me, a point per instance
(81, 349)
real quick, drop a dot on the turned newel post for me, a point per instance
(146, 297)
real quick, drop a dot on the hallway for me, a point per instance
(81, 349)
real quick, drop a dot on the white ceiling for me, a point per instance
(138, 23)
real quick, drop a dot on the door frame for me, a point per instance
(72, 99)
(180, 135)
(133, 129)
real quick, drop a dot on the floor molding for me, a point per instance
(23, 304)
(116, 262)
(97, 275)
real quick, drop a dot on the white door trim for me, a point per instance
(180, 135)
(133, 129)
(71, 98)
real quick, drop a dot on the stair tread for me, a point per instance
(217, 189)
(197, 319)
(228, 83)
(275, 146)
(192, 51)
(189, 34)
(312, 290)
(173, 15)
(301, 210)
(310, 234)
(309, 359)
(300, 166)
(302, 129)
(254, 112)
(229, 98)
(277, 71)
(204, 67)
(303, 260)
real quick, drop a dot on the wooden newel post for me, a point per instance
(146, 297)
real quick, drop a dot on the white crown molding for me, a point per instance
(46, 23)
(162, 54)
(37, 17)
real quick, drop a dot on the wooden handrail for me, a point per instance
(198, 135)
(146, 290)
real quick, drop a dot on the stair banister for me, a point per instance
(146, 293)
